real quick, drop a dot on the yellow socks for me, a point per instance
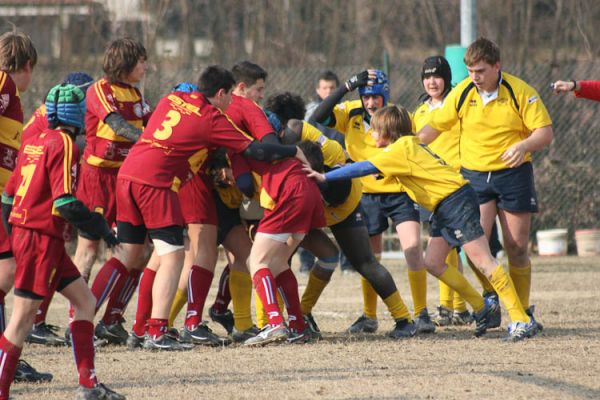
(261, 316)
(240, 287)
(506, 291)
(521, 278)
(446, 292)
(314, 288)
(369, 299)
(458, 303)
(485, 283)
(418, 289)
(178, 302)
(396, 306)
(453, 278)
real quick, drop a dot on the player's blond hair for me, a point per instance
(482, 49)
(16, 50)
(392, 122)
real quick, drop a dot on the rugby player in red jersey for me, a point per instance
(182, 125)
(36, 202)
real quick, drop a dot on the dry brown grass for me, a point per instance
(564, 362)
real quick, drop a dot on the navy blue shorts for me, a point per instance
(228, 218)
(513, 189)
(456, 218)
(378, 207)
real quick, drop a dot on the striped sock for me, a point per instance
(264, 284)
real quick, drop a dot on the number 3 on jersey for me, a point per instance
(166, 128)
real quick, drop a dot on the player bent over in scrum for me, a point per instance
(41, 193)
(183, 124)
(455, 219)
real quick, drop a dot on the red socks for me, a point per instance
(223, 295)
(199, 282)
(2, 317)
(111, 277)
(9, 358)
(144, 305)
(157, 328)
(83, 349)
(288, 287)
(40, 316)
(265, 287)
(119, 298)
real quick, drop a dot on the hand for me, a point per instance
(317, 176)
(515, 155)
(563, 86)
(360, 79)
(111, 240)
(300, 156)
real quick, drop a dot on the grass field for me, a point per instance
(562, 363)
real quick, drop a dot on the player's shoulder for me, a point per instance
(518, 85)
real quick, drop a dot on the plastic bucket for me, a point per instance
(552, 242)
(588, 242)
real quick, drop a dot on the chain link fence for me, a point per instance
(567, 184)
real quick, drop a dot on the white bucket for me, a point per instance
(588, 242)
(552, 242)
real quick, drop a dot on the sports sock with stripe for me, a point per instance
(288, 287)
(223, 297)
(83, 350)
(9, 358)
(199, 282)
(266, 289)
(111, 277)
(144, 305)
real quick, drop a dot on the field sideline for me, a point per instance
(563, 363)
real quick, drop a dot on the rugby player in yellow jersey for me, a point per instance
(502, 121)
(434, 185)
(436, 77)
(344, 216)
(382, 199)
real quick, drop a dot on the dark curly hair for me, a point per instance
(286, 106)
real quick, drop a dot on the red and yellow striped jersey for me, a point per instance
(36, 124)
(11, 126)
(103, 147)
(46, 169)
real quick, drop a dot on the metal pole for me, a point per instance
(468, 22)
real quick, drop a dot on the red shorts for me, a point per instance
(197, 201)
(43, 264)
(96, 189)
(4, 240)
(299, 209)
(152, 207)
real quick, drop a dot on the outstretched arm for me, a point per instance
(348, 171)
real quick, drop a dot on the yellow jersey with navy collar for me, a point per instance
(446, 145)
(360, 145)
(333, 155)
(488, 129)
(425, 177)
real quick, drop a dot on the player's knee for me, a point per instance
(518, 253)
(413, 256)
